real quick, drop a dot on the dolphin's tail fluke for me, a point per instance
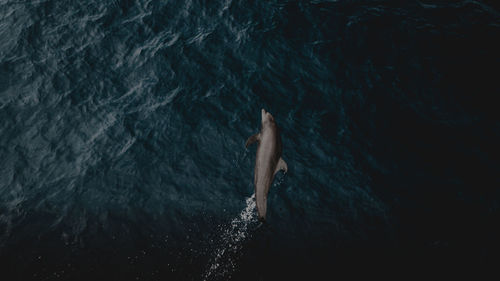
(261, 202)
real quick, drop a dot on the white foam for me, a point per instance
(223, 261)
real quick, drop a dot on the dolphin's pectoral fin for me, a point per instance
(252, 139)
(281, 166)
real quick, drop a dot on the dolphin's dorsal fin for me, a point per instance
(281, 166)
(252, 139)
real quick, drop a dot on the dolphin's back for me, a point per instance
(268, 155)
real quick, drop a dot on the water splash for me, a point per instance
(223, 262)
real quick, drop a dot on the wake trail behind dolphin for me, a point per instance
(223, 261)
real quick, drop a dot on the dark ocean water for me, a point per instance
(123, 123)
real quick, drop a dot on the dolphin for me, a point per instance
(268, 160)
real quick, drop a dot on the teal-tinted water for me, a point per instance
(123, 126)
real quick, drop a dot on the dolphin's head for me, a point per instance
(267, 118)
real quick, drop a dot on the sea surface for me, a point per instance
(123, 124)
